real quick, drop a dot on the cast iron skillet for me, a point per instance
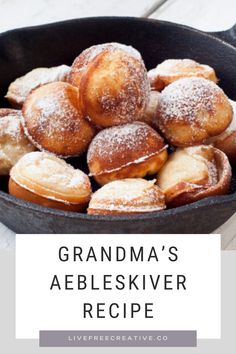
(24, 49)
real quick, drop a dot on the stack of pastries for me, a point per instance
(154, 139)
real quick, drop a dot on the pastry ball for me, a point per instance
(113, 84)
(21, 87)
(150, 114)
(13, 142)
(192, 110)
(171, 70)
(226, 141)
(45, 179)
(129, 150)
(194, 173)
(53, 121)
(127, 196)
(82, 62)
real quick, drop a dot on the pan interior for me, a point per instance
(44, 46)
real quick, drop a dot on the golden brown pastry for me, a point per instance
(45, 179)
(191, 110)
(53, 120)
(127, 196)
(150, 114)
(226, 141)
(82, 62)
(171, 70)
(129, 150)
(113, 84)
(13, 143)
(194, 173)
(21, 87)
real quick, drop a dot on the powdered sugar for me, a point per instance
(10, 127)
(81, 63)
(57, 106)
(90, 53)
(51, 113)
(125, 137)
(11, 131)
(186, 67)
(117, 91)
(185, 97)
(53, 122)
(51, 173)
(13, 143)
(115, 144)
(116, 88)
(21, 87)
(137, 195)
(131, 100)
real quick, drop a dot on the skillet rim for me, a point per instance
(211, 35)
(206, 202)
(216, 200)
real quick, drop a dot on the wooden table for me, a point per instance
(210, 15)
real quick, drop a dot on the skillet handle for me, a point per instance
(228, 36)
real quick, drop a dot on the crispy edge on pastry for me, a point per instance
(127, 196)
(194, 173)
(171, 70)
(129, 150)
(22, 87)
(226, 141)
(45, 179)
(191, 110)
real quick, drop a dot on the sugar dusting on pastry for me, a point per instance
(125, 103)
(11, 127)
(51, 173)
(124, 145)
(124, 137)
(171, 70)
(54, 122)
(13, 143)
(55, 104)
(190, 110)
(21, 87)
(130, 195)
(113, 84)
(186, 67)
(183, 99)
(92, 52)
